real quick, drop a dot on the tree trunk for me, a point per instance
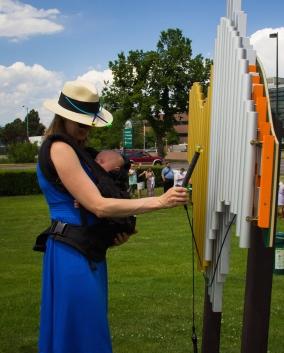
(160, 146)
(257, 295)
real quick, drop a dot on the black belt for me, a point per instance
(83, 238)
(58, 227)
(91, 240)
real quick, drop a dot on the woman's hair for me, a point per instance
(56, 127)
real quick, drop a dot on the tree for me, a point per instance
(14, 132)
(150, 138)
(107, 137)
(154, 85)
(35, 127)
(172, 137)
(17, 130)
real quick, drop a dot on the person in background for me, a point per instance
(132, 180)
(281, 199)
(167, 177)
(74, 308)
(140, 182)
(150, 181)
(180, 176)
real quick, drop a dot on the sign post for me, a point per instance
(127, 134)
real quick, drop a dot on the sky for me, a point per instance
(45, 43)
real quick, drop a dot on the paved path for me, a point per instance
(176, 164)
(18, 166)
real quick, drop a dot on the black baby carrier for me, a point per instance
(91, 240)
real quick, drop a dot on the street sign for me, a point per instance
(127, 138)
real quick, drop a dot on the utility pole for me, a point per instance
(275, 35)
(144, 135)
(27, 118)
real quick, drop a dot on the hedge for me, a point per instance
(22, 152)
(18, 182)
(24, 182)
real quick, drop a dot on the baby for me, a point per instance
(110, 161)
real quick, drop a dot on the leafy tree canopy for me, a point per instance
(35, 127)
(16, 131)
(153, 86)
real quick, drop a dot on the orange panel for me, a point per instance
(264, 129)
(261, 108)
(257, 91)
(252, 68)
(267, 160)
(255, 79)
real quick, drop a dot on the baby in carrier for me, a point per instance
(117, 168)
(111, 171)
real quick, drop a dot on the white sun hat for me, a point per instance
(79, 101)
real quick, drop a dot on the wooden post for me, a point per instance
(211, 327)
(257, 296)
(259, 282)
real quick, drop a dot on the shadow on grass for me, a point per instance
(31, 348)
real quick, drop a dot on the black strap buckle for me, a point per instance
(58, 228)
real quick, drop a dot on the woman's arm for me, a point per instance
(162, 175)
(82, 188)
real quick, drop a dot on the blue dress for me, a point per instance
(74, 297)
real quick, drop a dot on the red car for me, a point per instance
(140, 156)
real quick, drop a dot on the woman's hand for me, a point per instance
(175, 196)
(120, 239)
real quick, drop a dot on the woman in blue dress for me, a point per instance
(74, 309)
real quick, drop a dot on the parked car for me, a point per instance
(182, 147)
(151, 150)
(143, 157)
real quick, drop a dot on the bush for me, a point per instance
(4, 160)
(18, 183)
(22, 152)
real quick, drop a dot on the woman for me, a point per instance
(74, 294)
(281, 199)
(150, 181)
(132, 180)
(180, 175)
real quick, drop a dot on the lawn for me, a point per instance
(149, 283)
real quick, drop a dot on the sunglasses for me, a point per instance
(83, 126)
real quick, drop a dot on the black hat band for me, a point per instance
(75, 106)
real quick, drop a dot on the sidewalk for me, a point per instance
(18, 166)
(176, 156)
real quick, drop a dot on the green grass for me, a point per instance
(150, 281)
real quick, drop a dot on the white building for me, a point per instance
(36, 139)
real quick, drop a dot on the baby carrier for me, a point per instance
(91, 240)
